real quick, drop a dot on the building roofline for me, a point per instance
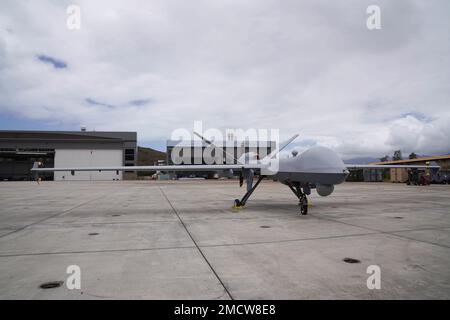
(68, 132)
(433, 158)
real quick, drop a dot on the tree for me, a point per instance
(397, 155)
(384, 159)
(413, 155)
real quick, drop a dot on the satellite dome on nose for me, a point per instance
(321, 159)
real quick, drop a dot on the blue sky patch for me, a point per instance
(9, 121)
(140, 102)
(57, 63)
(419, 116)
(97, 103)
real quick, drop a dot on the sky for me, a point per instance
(307, 67)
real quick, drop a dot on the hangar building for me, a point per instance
(234, 148)
(20, 149)
(401, 175)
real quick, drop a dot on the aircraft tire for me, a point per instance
(304, 206)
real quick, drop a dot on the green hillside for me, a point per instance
(149, 157)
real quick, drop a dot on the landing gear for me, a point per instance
(240, 203)
(303, 203)
(303, 200)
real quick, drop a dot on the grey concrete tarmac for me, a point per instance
(183, 240)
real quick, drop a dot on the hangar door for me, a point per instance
(88, 158)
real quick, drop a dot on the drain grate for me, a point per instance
(398, 217)
(351, 260)
(265, 227)
(51, 285)
(115, 215)
(93, 234)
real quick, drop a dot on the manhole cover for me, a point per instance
(351, 260)
(51, 285)
(93, 234)
(265, 227)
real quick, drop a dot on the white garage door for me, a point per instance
(88, 158)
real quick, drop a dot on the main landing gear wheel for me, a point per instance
(303, 200)
(303, 205)
(237, 203)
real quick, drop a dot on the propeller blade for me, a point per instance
(209, 142)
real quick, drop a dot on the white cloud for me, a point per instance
(411, 134)
(302, 66)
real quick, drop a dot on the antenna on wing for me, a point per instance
(282, 146)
